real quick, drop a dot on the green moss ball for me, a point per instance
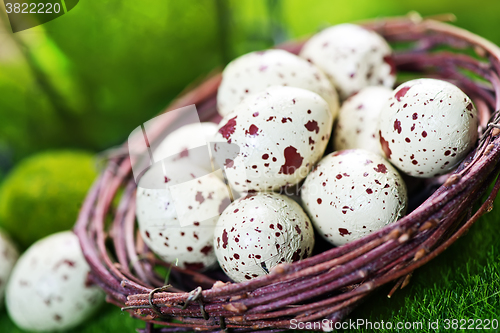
(43, 194)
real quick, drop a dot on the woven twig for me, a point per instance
(330, 284)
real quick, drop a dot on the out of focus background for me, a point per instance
(85, 80)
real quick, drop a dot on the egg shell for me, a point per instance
(8, 257)
(256, 71)
(257, 232)
(281, 132)
(351, 193)
(352, 58)
(48, 289)
(189, 143)
(427, 127)
(177, 222)
(357, 124)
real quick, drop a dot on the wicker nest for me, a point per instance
(332, 283)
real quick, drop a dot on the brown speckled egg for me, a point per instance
(257, 232)
(48, 289)
(427, 127)
(351, 193)
(352, 57)
(281, 132)
(177, 222)
(8, 257)
(256, 71)
(357, 124)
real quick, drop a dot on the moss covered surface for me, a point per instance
(43, 194)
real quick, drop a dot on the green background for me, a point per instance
(88, 78)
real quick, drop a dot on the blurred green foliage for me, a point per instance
(44, 193)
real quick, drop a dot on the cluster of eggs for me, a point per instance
(281, 110)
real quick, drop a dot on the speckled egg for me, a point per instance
(8, 257)
(257, 232)
(352, 57)
(281, 132)
(48, 288)
(256, 71)
(351, 193)
(427, 127)
(357, 124)
(189, 143)
(177, 222)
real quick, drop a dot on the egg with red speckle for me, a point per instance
(281, 133)
(256, 71)
(351, 193)
(48, 289)
(189, 143)
(178, 205)
(257, 232)
(8, 257)
(352, 57)
(427, 127)
(357, 123)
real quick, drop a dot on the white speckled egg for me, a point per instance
(8, 257)
(257, 232)
(48, 289)
(186, 144)
(352, 57)
(351, 193)
(427, 127)
(177, 222)
(256, 71)
(357, 124)
(281, 132)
